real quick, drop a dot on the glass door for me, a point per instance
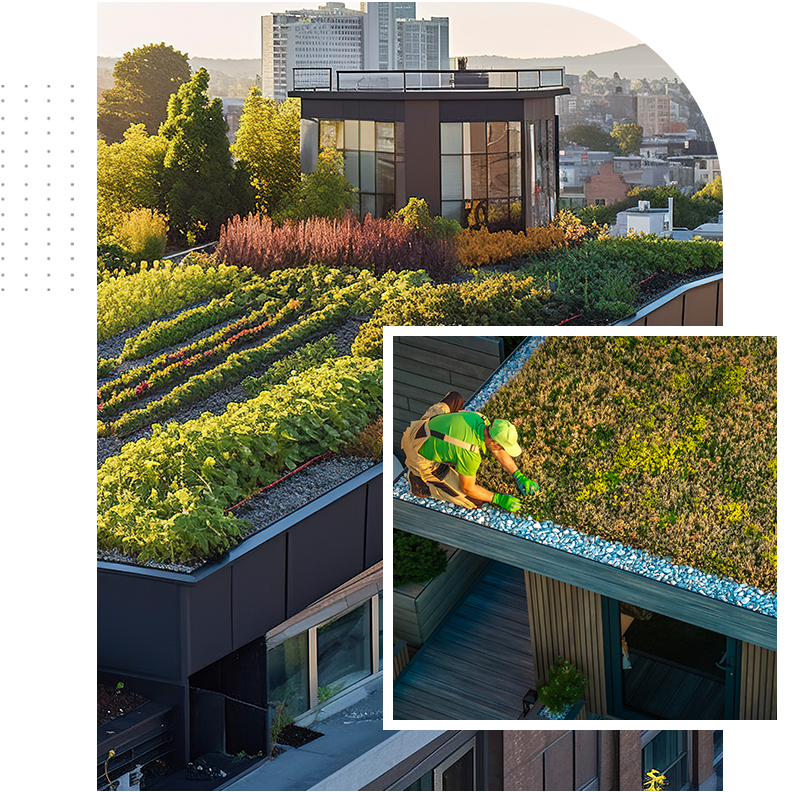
(661, 667)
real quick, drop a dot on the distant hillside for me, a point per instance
(245, 67)
(632, 63)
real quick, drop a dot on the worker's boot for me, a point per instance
(418, 487)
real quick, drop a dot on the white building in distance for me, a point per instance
(381, 36)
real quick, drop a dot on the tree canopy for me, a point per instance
(144, 79)
(267, 145)
(201, 188)
(628, 138)
(592, 137)
(127, 177)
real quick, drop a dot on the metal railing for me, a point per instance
(321, 79)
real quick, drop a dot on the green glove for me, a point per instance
(507, 502)
(525, 485)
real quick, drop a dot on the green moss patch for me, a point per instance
(664, 444)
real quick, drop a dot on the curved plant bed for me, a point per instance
(694, 304)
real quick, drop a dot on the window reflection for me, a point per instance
(344, 655)
(288, 675)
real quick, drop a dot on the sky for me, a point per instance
(232, 30)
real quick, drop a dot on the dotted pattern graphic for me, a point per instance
(38, 165)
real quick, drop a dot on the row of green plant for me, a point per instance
(601, 278)
(663, 444)
(124, 301)
(162, 334)
(164, 497)
(344, 294)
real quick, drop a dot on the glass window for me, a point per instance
(451, 138)
(287, 671)
(452, 210)
(344, 651)
(332, 134)
(497, 137)
(367, 205)
(351, 168)
(385, 136)
(367, 182)
(514, 136)
(366, 135)
(474, 137)
(451, 177)
(479, 176)
(498, 176)
(385, 174)
(515, 174)
(351, 134)
(383, 205)
(667, 752)
(460, 774)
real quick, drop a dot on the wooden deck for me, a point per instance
(657, 688)
(478, 664)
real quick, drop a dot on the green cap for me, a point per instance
(506, 434)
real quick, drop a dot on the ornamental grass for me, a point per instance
(663, 444)
(374, 244)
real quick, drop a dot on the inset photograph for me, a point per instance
(584, 527)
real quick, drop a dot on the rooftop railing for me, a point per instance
(326, 79)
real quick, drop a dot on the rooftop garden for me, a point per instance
(665, 444)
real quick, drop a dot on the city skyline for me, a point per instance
(232, 30)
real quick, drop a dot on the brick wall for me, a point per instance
(606, 185)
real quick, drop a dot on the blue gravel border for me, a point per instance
(592, 547)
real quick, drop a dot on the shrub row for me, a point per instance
(163, 497)
(126, 301)
(375, 244)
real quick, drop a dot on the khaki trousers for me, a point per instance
(442, 480)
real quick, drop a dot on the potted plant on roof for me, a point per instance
(561, 696)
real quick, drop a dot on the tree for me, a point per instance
(711, 191)
(592, 137)
(200, 187)
(267, 145)
(628, 137)
(127, 177)
(144, 79)
(323, 193)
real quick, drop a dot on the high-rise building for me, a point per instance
(405, 9)
(330, 36)
(422, 43)
(381, 22)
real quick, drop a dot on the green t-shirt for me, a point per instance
(466, 426)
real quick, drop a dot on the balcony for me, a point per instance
(326, 79)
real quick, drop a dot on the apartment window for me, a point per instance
(321, 662)
(457, 772)
(667, 752)
(481, 172)
(571, 762)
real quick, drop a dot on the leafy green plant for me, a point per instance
(164, 496)
(565, 685)
(416, 559)
(142, 234)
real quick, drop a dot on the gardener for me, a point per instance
(444, 449)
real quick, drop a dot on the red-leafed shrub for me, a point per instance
(374, 244)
